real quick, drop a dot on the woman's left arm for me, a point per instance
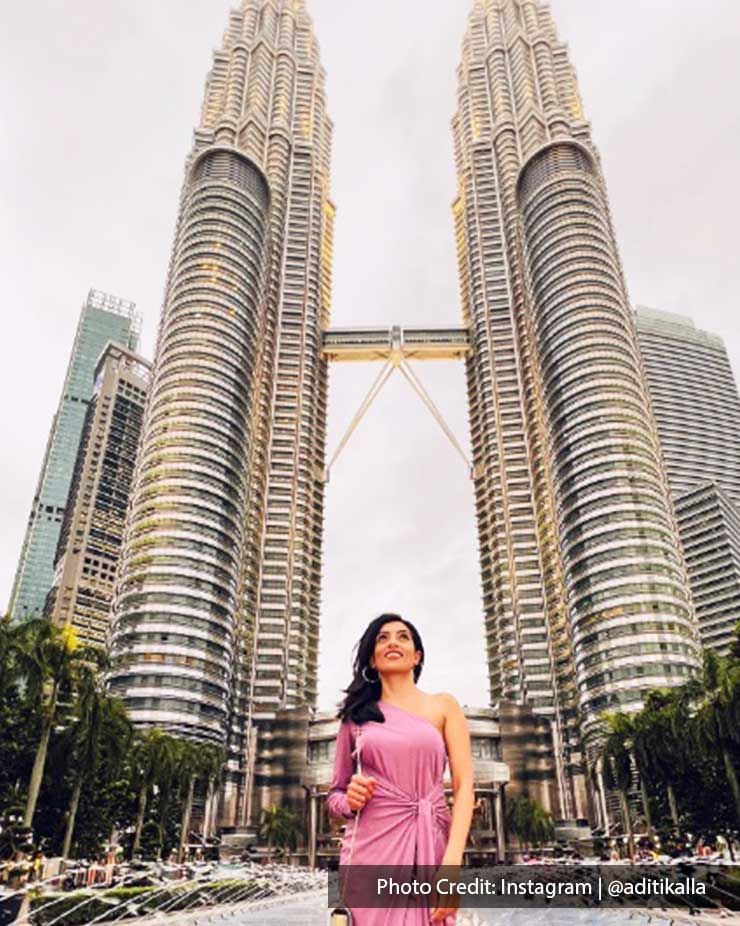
(457, 737)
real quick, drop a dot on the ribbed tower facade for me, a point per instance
(697, 410)
(695, 400)
(585, 590)
(709, 524)
(216, 616)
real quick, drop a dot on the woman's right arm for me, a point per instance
(336, 801)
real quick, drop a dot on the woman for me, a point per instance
(405, 737)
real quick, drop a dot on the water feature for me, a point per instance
(273, 895)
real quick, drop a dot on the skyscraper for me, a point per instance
(695, 400)
(92, 528)
(585, 590)
(103, 318)
(219, 584)
(697, 409)
(709, 525)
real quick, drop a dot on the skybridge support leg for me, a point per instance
(419, 389)
(380, 381)
(396, 360)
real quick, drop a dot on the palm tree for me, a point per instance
(617, 760)
(715, 724)
(101, 726)
(154, 759)
(643, 724)
(543, 829)
(212, 771)
(198, 760)
(280, 826)
(48, 660)
(659, 740)
(734, 654)
(170, 776)
(528, 820)
(10, 644)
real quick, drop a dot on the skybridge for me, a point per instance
(395, 344)
(394, 347)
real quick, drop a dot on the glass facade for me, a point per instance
(103, 318)
(92, 529)
(183, 556)
(709, 523)
(577, 536)
(695, 400)
(217, 607)
(697, 409)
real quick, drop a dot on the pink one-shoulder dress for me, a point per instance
(406, 821)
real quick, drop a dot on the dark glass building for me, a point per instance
(103, 318)
(94, 519)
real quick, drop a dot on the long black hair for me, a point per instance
(361, 703)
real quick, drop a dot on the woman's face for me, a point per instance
(394, 649)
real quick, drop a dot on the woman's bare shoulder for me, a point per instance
(445, 703)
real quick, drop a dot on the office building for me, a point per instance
(585, 590)
(709, 524)
(92, 528)
(697, 409)
(695, 400)
(216, 613)
(103, 318)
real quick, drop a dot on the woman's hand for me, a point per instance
(359, 791)
(446, 915)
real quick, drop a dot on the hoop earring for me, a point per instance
(369, 680)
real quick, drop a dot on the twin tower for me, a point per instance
(585, 594)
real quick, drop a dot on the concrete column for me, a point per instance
(312, 828)
(602, 799)
(498, 811)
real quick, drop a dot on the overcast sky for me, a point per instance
(99, 99)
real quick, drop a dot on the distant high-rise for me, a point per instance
(93, 524)
(103, 318)
(709, 524)
(585, 589)
(219, 581)
(697, 409)
(695, 400)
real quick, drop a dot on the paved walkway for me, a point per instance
(313, 912)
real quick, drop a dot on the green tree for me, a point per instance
(528, 820)
(641, 754)
(48, 659)
(154, 760)
(281, 827)
(660, 742)
(735, 644)
(11, 642)
(213, 767)
(170, 775)
(19, 722)
(715, 724)
(616, 755)
(101, 726)
(197, 761)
